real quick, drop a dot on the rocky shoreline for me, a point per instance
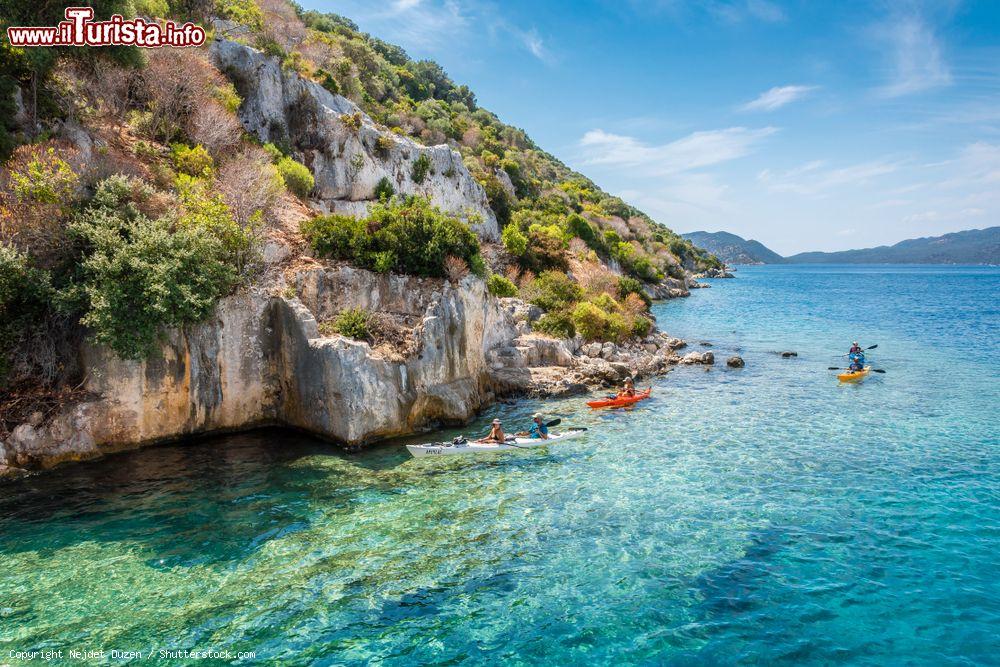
(262, 360)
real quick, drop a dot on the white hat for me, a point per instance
(537, 415)
(496, 421)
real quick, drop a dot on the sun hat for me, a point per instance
(496, 421)
(537, 415)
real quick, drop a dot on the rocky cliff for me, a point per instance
(346, 151)
(261, 359)
(266, 357)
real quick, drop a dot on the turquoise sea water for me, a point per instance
(765, 514)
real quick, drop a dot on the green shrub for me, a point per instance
(627, 285)
(586, 232)
(384, 143)
(46, 179)
(641, 326)
(298, 178)
(138, 276)
(498, 198)
(500, 286)
(544, 252)
(514, 240)
(227, 96)
(191, 160)
(273, 152)
(421, 167)
(24, 296)
(205, 211)
(384, 189)
(270, 47)
(415, 234)
(351, 120)
(593, 323)
(353, 323)
(553, 291)
(558, 324)
(477, 265)
(244, 12)
(606, 303)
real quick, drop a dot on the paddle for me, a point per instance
(871, 347)
(554, 422)
(838, 368)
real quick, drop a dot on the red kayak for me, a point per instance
(620, 400)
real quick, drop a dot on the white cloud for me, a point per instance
(916, 55)
(810, 179)
(697, 150)
(403, 5)
(531, 41)
(777, 97)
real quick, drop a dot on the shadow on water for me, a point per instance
(206, 500)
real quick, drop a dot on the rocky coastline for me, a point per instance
(267, 356)
(262, 360)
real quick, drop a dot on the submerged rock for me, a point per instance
(735, 361)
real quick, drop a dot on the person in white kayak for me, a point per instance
(496, 433)
(538, 429)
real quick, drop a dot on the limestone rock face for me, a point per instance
(261, 359)
(347, 153)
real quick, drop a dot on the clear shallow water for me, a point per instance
(766, 514)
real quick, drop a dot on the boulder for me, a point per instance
(735, 361)
(696, 357)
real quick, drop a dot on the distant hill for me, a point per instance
(975, 246)
(733, 249)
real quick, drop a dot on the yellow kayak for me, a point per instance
(851, 376)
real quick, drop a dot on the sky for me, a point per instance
(805, 125)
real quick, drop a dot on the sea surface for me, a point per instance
(759, 515)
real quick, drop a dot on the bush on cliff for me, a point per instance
(553, 291)
(24, 295)
(297, 177)
(404, 235)
(137, 276)
(627, 285)
(558, 324)
(500, 286)
(353, 323)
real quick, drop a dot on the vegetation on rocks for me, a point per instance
(406, 235)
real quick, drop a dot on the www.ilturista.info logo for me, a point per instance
(79, 29)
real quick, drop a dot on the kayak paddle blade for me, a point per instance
(877, 370)
(554, 422)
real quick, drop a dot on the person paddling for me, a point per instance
(628, 389)
(496, 433)
(538, 428)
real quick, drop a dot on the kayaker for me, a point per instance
(855, 348)
(857, 364)
(496, 433)
(538, 428)
(628, 389)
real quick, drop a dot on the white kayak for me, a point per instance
(470, 447)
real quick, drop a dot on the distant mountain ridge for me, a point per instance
(733, 249)
(973, 246)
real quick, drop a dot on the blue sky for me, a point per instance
(806, 125)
